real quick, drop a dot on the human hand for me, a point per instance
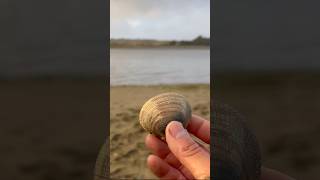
(180, 157)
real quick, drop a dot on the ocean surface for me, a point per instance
(159, 66)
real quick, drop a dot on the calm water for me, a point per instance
(159, 66)
(151, 66)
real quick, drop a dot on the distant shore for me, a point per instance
(151, 43)
(159, 47)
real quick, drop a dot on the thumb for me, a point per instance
(188, 152)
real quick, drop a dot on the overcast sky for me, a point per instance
(159, 19)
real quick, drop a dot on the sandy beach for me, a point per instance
(127, 149)
(53, 129)
(281, 109)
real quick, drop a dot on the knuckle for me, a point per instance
(190, 149)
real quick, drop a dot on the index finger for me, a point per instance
(200, 128)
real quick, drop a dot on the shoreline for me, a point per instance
(220, 75)
(161, 47)
(183, 85)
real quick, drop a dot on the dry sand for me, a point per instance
(127, 149)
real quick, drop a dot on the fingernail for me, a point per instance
(176, 130)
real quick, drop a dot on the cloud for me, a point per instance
(159, 19)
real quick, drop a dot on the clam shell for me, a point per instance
(236, 153)
(158, 111)
(101, 170)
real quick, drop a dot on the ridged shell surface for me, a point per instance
(236, 153)
(101, 171)
(158, 111)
